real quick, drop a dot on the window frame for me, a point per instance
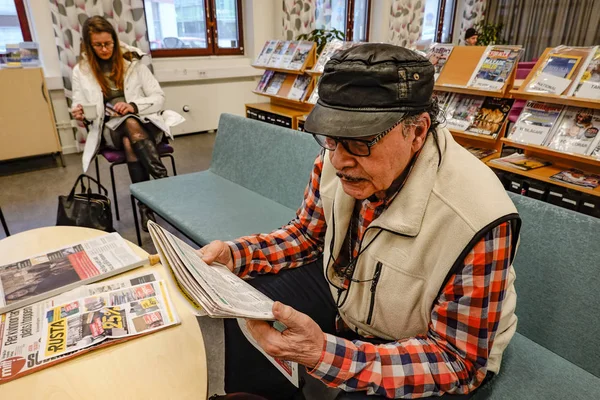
(23, 21)
(350, 20)
(212, 36)
(440, 21)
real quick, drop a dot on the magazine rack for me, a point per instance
(309, 62)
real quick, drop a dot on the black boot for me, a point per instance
(147, 154)
(138, 173)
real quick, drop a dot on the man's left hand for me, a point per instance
(301, 342)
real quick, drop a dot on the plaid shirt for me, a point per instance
(450, 358)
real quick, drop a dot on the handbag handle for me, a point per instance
(83, 189)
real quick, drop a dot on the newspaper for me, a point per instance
(45, 275)
(211, 290)
(21, 329)
(88, 321)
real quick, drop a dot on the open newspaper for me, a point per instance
(36, 278)
(215, 291)
(24, 333)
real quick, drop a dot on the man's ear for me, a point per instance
(421, 129)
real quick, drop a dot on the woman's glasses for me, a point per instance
(107, 45)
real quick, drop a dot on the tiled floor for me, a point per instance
(29, 200)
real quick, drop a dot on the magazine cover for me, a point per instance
(326, 54)
(521, 161)
(29, 54)
(491, 116)
(480, 152)
(589, 85)
(577, 177)
(299, 88)
(277, 54)
(275, 84)
(314, 96)
(535, 122)
(287, 56)
(438, 55)
(462, 110)
(561, 65)
(577, 131)
(265, 54)
(264, 80)
(496, 67)
(304, 47)
(556, 74)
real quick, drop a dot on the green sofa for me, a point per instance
(256, 182)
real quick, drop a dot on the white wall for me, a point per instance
(380, 21)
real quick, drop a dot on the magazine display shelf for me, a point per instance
(309, 62)
(265, 111)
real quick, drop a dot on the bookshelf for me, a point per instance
(274, 114)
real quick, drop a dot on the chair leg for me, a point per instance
(97, 173)
(135, 221)
(114, 188)
(172, 163)
(4, 224)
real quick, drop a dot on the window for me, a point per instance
(348, 16)
(194, 27)
(14, 27)
(438, 20)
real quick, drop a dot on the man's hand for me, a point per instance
(77, 112)
(123, 108)
(302, 342)
(217, 251)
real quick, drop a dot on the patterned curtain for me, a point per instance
(298, 17)
(68, 16)
(473, 13)
(406, 22)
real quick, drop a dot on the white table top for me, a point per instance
(168, 364)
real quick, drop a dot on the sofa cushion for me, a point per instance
(206, 207)
(273, 161)
(529, 371)
(558, 281)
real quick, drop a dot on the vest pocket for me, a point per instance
(374, 283)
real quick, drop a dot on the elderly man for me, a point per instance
(404, 242)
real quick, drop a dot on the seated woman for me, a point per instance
(128, 101)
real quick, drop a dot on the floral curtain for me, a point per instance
(473, 13)
(298, 17)
(406, 22)
(68, 16)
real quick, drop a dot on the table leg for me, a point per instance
(135, 221)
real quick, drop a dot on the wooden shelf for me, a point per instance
(468, 90)
(556, 99)
(553, 154)
(466, 135)
(275, 96)
(313, 73)
(287, 71)
(276, 109)
(544, 173)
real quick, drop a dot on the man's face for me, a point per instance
(362, 177)
(472, 41)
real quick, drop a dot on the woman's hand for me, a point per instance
(77, 112)
(124, 108)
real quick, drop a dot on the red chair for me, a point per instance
(516, 109)
(117, 157)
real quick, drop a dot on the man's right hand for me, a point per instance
(77, 112)
(217, 251)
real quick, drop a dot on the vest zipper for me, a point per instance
(373, 289)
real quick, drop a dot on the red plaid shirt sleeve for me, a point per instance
(452, 356)
(299, 242)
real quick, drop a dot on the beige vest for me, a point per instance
(440, 213)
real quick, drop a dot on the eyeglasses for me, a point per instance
(356, 147)
(108, 45)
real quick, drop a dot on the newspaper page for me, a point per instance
(21, 329)
(219, 292)
(88, 321)
(45, 275)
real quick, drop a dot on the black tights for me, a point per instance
(130, 131)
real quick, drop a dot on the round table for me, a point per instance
(166, 364)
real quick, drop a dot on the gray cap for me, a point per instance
(368, 88)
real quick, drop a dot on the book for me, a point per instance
(277, 54)
(264, 81)
(275, 83)
(480, 152)
(491, 116)
(576, 131)
(589, 84)
(287, 56)
(495, 67)
(266, 52)
(302, 51)
(535, 122)
(577, 177)
(438, 54)
(521, 162)
(299, 88)
(29, 54)
(42, 276)
(461, 111)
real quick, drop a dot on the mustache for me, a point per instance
(349, 177)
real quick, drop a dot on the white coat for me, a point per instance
(141, 88)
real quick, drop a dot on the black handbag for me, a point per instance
(87, 209)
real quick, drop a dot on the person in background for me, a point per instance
(128, 102)
(471, 37)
